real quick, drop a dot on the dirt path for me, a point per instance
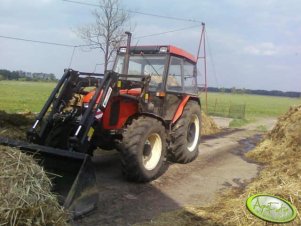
(220, 164)
(259, 123)
(266, 123)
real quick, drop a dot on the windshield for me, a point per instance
(144, 65)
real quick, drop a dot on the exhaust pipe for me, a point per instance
(127, 54)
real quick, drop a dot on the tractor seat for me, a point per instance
(133, 92)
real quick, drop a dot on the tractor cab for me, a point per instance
(171, 69)
(171, 72)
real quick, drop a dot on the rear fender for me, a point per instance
(164, 123)
(182, 105)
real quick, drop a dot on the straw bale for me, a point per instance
(25, 192)
(208, 125)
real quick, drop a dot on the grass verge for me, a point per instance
(236, 123)
(256, 105)
(16, 96)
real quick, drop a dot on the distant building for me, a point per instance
(37, 76)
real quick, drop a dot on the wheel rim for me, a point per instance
(152, 151)
(193, 133)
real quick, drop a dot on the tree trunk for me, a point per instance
(106, 55)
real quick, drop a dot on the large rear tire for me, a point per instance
(143, 149)
(185, 136)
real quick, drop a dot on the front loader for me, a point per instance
(147, 108)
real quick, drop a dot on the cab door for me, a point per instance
(173, 87)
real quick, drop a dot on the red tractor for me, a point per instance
(147, 107)
(152, 110)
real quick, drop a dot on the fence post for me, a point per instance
(215, 106)
(229, 111)
(244, 111)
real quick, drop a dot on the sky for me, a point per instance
(250, 44)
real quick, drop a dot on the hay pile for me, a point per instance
(25, 197)
(208, 126)
(15, 125)
(280, 153)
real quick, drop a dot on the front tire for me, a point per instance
(143, 149)
(185, 136)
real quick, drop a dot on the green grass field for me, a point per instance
(16, 96)
(256, 106)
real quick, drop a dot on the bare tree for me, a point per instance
(107, 32)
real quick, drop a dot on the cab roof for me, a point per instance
(161, 49)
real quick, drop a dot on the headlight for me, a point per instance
(163, 49)
(122, 50)
(86, 105)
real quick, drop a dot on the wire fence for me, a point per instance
(230, 110)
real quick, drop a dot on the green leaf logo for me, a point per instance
(271, 208)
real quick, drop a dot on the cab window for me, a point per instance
(174, 77)
(189, 74)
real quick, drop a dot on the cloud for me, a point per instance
(262, 49)
(246, 40)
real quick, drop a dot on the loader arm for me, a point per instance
(60, 96)
(76, 184)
